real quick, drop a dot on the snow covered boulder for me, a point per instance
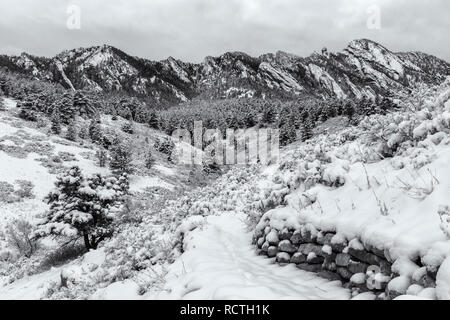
(357, 250)
(398, 286)
(298, 258)
(285, 234)
(414, 290)
(308, 248)
(283, 257)
(334, 175)
(287, 246)
(443, 281)
(272, 238)
(357, 267)
(71, 275)
(338, 243)
(272, 251)
(297, 238)
(123, 290)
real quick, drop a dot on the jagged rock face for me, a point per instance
(363, 69)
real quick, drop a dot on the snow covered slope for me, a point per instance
(30, 159)
(384, 181)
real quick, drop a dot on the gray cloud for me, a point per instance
(192, 29)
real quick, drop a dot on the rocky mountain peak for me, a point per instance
(363, 69)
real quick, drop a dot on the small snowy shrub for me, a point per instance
(164, 145)
(61, 256)
(9, 194)
(41, 148)
(19, 235)
(25, 190)
(6, 190)
(128, 127)
(67, 156)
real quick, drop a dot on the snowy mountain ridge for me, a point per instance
(363, 69)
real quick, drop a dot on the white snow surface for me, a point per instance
(220, 263)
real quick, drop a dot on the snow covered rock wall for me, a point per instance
(360, 267)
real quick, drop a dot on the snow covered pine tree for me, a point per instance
(83, 207)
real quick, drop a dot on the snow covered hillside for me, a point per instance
(381, 184)
(384, 182)
(31, 157)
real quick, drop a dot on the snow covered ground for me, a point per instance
(27, 153)
(384, 181)
(220, 263)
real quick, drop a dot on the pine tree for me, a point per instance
(83, 106)
(306, 130)
(56, 122)
(71, 132)
(349, 109)
(164, 145)
(120, 159)
(65, 107)
(28, 110)
(288, 133)
(126, 113)
(149, 160)
(269, 115)
(83, 208)
(95, 131)
(128, 127)
(323, 115)
(153, 120)
(3, 88)
(367, 107)
(114, 114)
(83, 133)
(249, 120)
(102, 157)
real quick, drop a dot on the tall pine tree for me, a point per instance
(306, 130)
(121, 158)
(83, 106)
(56, 122)
(95, 131)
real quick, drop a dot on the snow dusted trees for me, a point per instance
(128, 127)
(149, 160)
(71, 131)
(349, 109)
(121, 158)
(83, 207)
(28, 109)
(83, 105)
(56, 122)
(306, 130)
(153, 120)
(164, 145)
(288, 132)
(102, 157)
(2, 104)
(64, 105)
(95, 131)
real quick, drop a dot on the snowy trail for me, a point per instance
(221, 263)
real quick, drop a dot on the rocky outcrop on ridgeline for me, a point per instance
(363, 69)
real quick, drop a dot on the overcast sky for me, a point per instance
(192, 29)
